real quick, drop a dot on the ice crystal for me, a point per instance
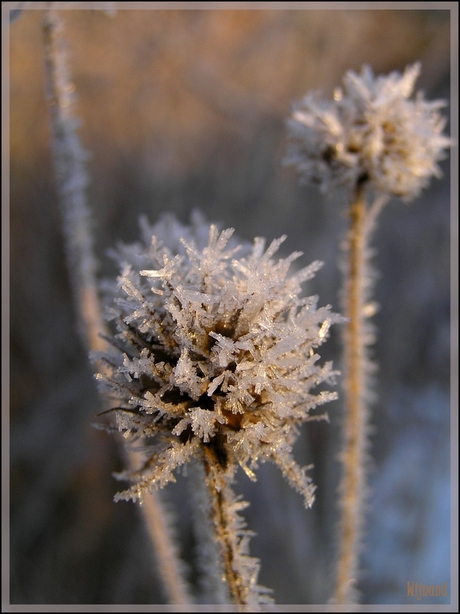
(371, 132)
(214, 356)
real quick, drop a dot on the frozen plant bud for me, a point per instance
(371, 133)
(213, 354)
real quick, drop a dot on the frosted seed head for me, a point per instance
(217, 353)
(371, 132)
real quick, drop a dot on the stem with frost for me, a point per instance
(72, 181)
(358, 337)
(223, 520)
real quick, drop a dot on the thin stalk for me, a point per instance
(72, 181)
(353, 485)
(213, 589)
(161, 534)
(223, 520)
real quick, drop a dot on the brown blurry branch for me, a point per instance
(72, 181)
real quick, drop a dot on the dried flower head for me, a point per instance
(371, 132)
(213, 354)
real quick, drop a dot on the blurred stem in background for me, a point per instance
(72, 180)
(370, 139)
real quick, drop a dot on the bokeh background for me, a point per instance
(185, 109)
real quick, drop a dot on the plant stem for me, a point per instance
(353, 485)
(223, 520)
(72, 179)
(213, 588)
(160, 532)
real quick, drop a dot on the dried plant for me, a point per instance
(371, 135)
(373, 142)
(214, 359)
(208, 359)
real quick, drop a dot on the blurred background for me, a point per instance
(185, 109)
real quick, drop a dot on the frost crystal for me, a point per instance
(371, 132)
(213, 356)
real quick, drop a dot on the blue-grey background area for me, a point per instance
(185, 109)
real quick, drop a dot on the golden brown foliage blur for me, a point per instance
(185, 109)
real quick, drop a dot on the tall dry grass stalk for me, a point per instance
(72, 181)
